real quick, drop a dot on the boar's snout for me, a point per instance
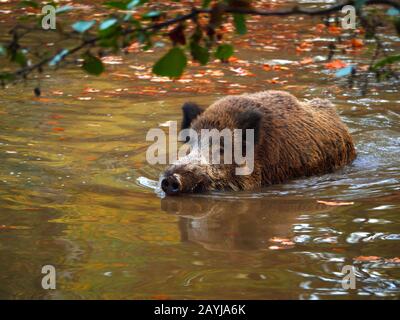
(170, 185)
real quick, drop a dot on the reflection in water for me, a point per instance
(237, 224)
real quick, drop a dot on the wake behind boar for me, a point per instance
(291, 139)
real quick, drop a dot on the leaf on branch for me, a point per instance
(122, 5)
(387, 60)
(134, 3)
(199, 53)
(20, 58)
(172, 64)
(359, 4)
(6, 76)
(27, 3)
(397, 25)
(83, 26)
(205, 3)
(239, 21)
(152, 14)
(107, 23)
(107, 31)
(335, 64)
(64, 9)
(57, 58)
(393, 12)
(92, 64)
(344, 71)
(224, 52)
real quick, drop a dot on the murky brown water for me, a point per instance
(76, 193)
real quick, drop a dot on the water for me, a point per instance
(76, 191)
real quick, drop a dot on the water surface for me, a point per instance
(75, 191)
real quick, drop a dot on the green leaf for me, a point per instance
(2, 51)
(6, 76)
(116, 4)
(387, 60)
(57, 58)
(92, 64)
(397, 24)
(224, 52)
(359, 4)
(342, 72)
(27, 3)
(239, 21)
(393, 12)
(151, 14)
(199, 53)
(64, 9)
(108, 28)
(108, 23)
(83, 26)
(132, 4)
(20, 58)
(172, 64)
(205, 3)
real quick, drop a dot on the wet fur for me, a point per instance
(295, 139)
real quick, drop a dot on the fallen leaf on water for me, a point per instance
(56, 116)
(306, 61)
(320, 27)
(284, 243)
(266, 67)
(58, 129)
(232, 59)
(367, 258)
(92, 158)
(304, 46)
(43, 99)
(335, 64)
(283, 247)
(242, 72)
(335, 203)
(4, 227)
(357, 43)
(393, 260)
(334, 30)
(276, 81)
(277, 239)
(91, 90)
(112, 60)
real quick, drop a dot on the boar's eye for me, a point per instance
(190, 112)
(250, 119)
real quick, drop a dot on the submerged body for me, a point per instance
(292, 139)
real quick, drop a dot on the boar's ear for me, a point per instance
(250, 119)
(190, 112)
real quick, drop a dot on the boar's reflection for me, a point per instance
(237, 224)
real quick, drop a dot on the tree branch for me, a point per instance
(195, 12)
